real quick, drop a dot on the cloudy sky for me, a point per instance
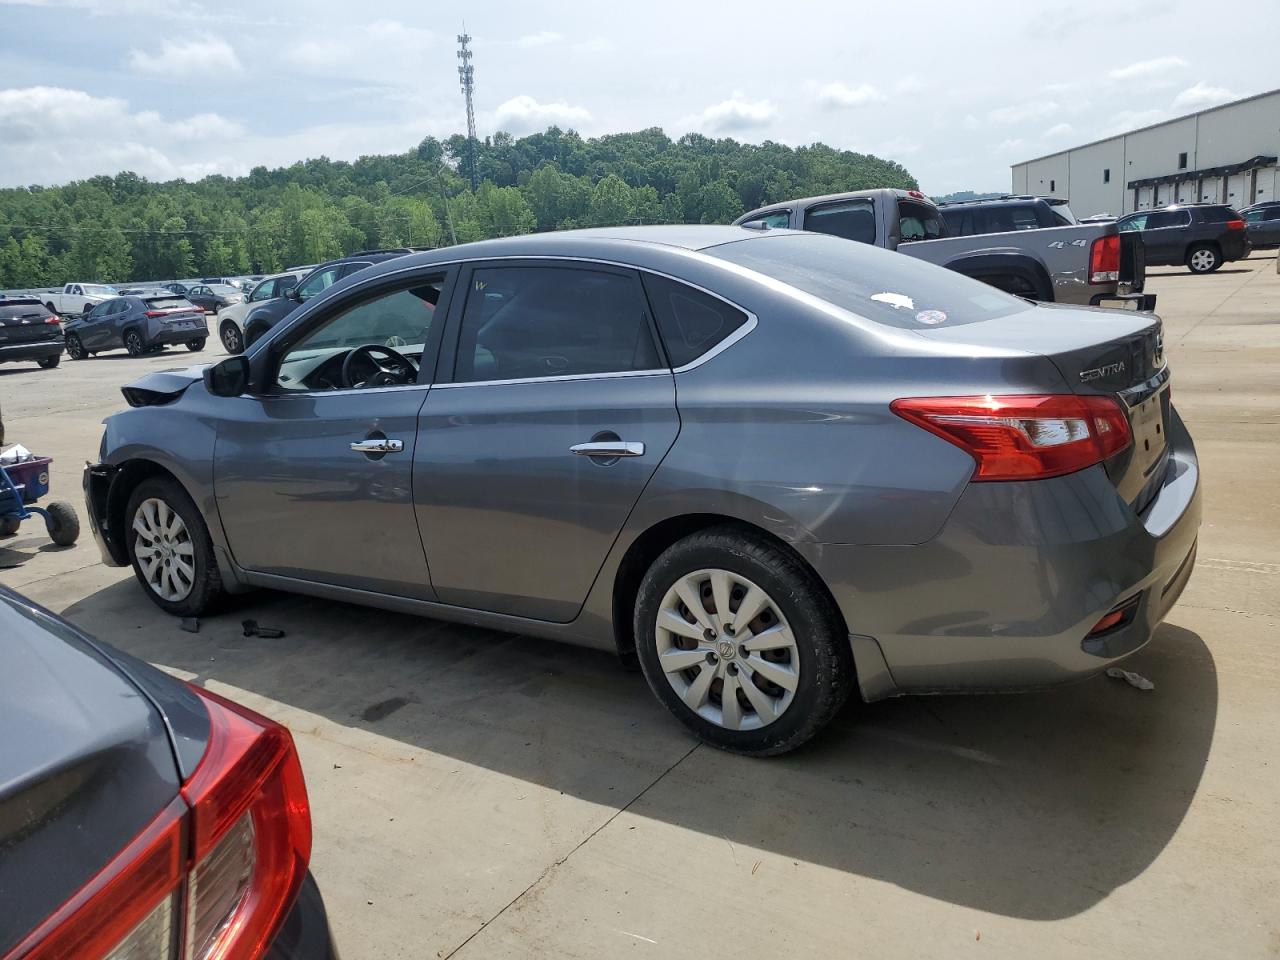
(183, 88)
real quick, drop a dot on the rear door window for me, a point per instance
(774, 219)
(349, 268)
(852, 219)
(918, 221)
(692, 323)
(318, 282)
(522, 323)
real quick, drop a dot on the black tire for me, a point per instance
(134, 343)
(826, 673)
(9, 526)
(63, 523)
(206, 591)
(196, 344)
(1204, 258)
(75, 349)
(231, 337)
(48, 363)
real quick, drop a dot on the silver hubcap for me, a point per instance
(727, 650)
(231, 338)
(164, 550)
(1202, 259)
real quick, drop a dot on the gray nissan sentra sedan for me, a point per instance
(776, 467)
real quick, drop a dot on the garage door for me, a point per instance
(1144, 198)
(1237, 190)
(1211, 190)
(1164, 194)
(1265, 185)
(1186, 191)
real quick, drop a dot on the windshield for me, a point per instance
(99, 290)
(886, 287)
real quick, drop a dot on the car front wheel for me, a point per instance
(75, 349)
(170, 549)
(232, 342)
(739, 642)
(1203, 259)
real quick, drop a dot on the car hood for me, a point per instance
(87, 763)
(165, 386)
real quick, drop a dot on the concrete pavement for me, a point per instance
(478, 794)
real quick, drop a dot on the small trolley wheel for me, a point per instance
(9, 526)
(63, 524)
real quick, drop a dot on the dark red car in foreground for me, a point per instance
(143, 818)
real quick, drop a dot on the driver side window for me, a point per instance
(377, 342)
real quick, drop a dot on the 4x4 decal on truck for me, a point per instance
(1060, 244)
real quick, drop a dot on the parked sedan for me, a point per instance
(139, 324)
(141, 816)
(777, 467)
(231, 319)
(29, 331)
(1262, 223)
(1200, 236)
(213, 297)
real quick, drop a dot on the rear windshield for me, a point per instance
(13, 307)
(168, 303)
(886, 287)
(98, 290)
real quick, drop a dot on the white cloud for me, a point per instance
(178, 57)
(1148, 69)
(839, 95)
(43, 130)
(1058, 130)
(385, 50)
(1010, 146)
(524, 114)
(909, 84)
(1202, 95)
(735, 113)
(896, 148)
(971, 122)
(595, 45)
(114, 8)
(1021, 112)
(539, 39)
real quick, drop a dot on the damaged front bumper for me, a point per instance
(97, 482)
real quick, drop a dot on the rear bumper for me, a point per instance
(160, 333)
(1005, 596)
(30, 351)
(1144, 302)
(305, 934)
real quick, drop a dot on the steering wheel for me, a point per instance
(395, 370)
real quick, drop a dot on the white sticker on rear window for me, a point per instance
(898, 300)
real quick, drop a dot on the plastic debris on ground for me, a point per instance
(251, 629)
(1133, 679)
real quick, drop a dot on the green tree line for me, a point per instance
(114, 229)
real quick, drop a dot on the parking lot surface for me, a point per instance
(478, 794)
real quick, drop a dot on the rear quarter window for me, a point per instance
(692, 323)
(885, 287)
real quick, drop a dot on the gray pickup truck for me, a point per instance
(1086, 264)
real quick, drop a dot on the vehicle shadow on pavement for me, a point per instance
(1034, 806)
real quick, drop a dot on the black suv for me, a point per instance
(967, 218)
(1262, 223)
(29, 331)
(1199, 236)
(264, 317)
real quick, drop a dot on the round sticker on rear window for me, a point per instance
(931, 317)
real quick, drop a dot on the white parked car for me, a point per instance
(75, 299)
(231, 319)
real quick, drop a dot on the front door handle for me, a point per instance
(609, 448)
(378, 445)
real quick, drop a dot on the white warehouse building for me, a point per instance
(1225, 154)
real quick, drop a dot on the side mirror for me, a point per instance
(228, 378)
(292, 294)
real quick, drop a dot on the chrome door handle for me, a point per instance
(378, 445)
(609, 448)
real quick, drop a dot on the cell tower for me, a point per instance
(467, 80)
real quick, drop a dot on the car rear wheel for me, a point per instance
(232, 341)
(75, 349)
(738, 641)
(1203, 259)
(133, 342)
(48, 363)
(170, 549)
(196, 344)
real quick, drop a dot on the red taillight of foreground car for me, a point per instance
(1024, 437)
(1104, 259)
(213, 876)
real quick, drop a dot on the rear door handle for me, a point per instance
(378, 445)
(609, 448)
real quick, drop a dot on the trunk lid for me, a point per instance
(1114, 353)
(86, 764)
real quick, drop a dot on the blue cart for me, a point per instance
(21, 485)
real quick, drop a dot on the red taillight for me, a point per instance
(249, 785)
(1235, 224)
(1024, 437)
(51, 319)
(1104, 259)
(228, 855)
